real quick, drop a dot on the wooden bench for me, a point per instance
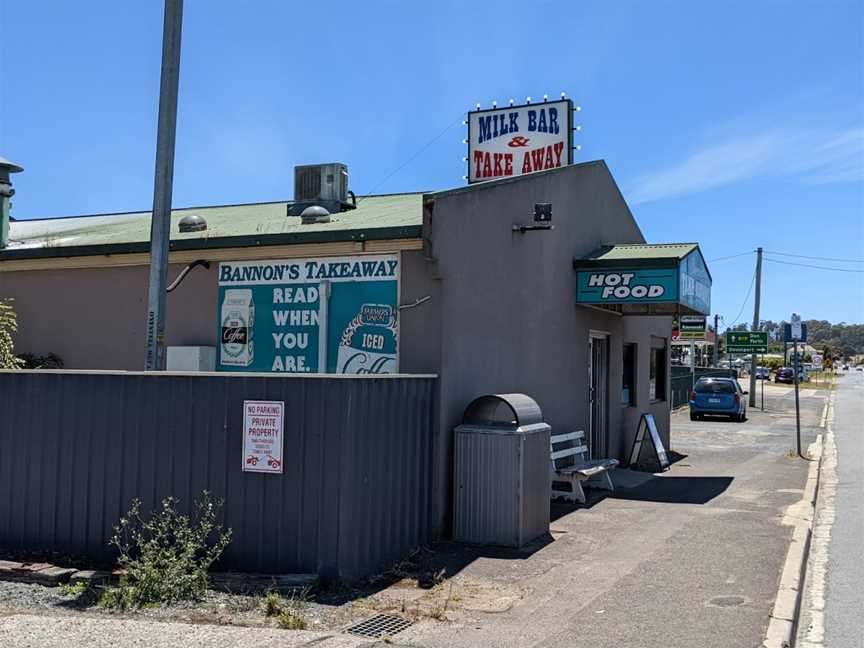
(571, 465)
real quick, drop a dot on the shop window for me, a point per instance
(657, 374)
(628, 385)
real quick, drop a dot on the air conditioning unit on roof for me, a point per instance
(324, 185)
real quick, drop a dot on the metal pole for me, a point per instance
(755, 326)
(692, 364)
(797, 409)
(716, 340)
(160, 224)
(763, 385)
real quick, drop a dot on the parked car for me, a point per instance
(787, 375)
(859, 368)
(763, 373)
(722, 396)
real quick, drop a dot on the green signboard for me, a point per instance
(326, 315)
(746, 342)
(627, 286)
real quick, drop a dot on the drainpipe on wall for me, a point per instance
(6, 193)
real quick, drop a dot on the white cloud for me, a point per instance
(812, 157)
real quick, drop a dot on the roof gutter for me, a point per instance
(215, 243)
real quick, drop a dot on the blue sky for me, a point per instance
(735, 124)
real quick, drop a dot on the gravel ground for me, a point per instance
(217, 608)
(62, 631)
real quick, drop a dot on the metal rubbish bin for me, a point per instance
(502, 472)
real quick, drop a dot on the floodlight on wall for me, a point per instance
(542, 219)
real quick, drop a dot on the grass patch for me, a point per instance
(73, 589)
(288, 612)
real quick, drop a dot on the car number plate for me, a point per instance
(713, 400)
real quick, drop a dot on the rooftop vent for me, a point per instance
(192, 223)
(324, 185)
(314, 214)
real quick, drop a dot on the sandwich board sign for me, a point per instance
(647, 425)
(263, 432)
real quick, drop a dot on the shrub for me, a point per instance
(166, 556)
(8, 326)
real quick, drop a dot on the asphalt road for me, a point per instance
(844, 622)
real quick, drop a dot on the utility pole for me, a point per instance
(716, 341)
(160, 224)
(755, 324)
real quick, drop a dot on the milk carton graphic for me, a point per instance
(238, 320)
(368, 344)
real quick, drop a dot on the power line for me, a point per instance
(732, 256)
(818, 258)
(749, 290)
(415, 156)
(817, 267)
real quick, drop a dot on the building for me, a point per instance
(463, 283)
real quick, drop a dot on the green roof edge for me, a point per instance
(221, 242)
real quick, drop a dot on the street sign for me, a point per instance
(795, 327)
(746, 342)
(691, 327)
(787, 333)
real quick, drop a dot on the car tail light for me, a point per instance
(692, 394)
(737, 399)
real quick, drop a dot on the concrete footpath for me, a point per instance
(691, 557)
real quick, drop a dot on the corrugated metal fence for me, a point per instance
(75, 448)
(682, 381)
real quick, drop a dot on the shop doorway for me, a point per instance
(598, 394)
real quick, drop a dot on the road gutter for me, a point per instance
(783, 621)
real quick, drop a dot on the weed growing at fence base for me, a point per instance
(288, 612)
(167, 555)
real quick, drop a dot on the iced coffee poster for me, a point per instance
(337, 315)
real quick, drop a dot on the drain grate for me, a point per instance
(381, 625)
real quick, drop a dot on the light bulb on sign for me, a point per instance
(578, 147)
(527, 99)
(545, 97)
(478, 106)
(578, 128)
(563, 95)
(512, 102)
(464, 141)
(578, 108)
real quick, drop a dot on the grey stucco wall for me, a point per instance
(509, 321)
(94, 318)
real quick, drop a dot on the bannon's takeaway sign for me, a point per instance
(325, 315)
(512, 141)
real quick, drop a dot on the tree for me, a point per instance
(8, 326)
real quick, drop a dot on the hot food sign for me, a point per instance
(513, 141)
